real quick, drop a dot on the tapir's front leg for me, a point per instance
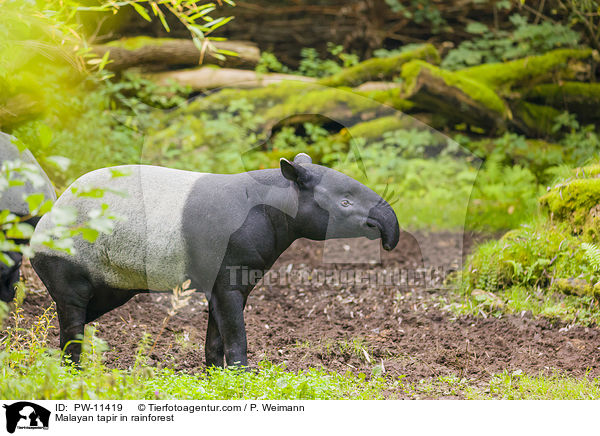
(227, 309)
(213, 349)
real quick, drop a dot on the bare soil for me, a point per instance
(353, 326)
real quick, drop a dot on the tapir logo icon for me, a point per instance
(26, 415)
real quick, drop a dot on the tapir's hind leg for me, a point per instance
(70, 288)
(71, 320)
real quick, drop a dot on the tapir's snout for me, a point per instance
(384, 219)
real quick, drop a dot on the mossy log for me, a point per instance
(579, 98)
(381, 68)
(533, 120)
(577, 287)
(156, 54)
(378, 86)
(392, 97)
(375, 128)
(563, 64)
(293, 102)
(459, 98)
(202, 78)
(342, 106)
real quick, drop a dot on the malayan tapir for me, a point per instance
(180, 225)
(13, 199)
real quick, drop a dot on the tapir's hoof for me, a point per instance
(241, 369)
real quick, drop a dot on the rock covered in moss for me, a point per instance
(381, 68)
(576, 201)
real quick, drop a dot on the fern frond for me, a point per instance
(592, 254)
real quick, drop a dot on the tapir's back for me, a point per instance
(146, 248)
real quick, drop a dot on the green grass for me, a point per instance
(508, 386)
(518, 386)
(49, 380)
(39, 374)
(29, 369)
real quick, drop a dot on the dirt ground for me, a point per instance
(353, 326)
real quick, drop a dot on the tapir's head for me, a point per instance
(333, 205)
(9, 276)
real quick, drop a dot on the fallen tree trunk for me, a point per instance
(533, 120)
(458, 98)
(582, 99)
(378, 86)
(202, 78)
(563, 64)
(155, 54)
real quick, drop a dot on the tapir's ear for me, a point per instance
(302, 158)
(292, 171)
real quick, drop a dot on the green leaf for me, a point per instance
(164, 21)
(227, 52)
(34, 201)
(114, 173)
(20, 231)
(215, 24)
(18, 143)
(6, 260)
(90, 235)
(142, 11)
(477, 28)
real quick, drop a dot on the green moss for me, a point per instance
(582, 99)
(529, 256)
(503, 76)
(332, 102)
(577, 203)
(557, 92)
(578, 287)
(376, 128)
(538, 120)
(589, 171)
(381, 68)
(391, 97)
(260, 98)
(136, 42)
(476, 90)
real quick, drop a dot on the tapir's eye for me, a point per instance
(346, 203)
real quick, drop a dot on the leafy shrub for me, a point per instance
(311, 63)
(500, 45)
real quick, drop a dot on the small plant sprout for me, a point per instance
(180, 298)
